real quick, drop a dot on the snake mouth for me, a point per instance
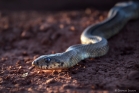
(37, 65)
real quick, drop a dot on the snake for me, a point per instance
(93, 39)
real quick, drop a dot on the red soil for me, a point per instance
(27, 35)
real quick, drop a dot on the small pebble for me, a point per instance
(25, 34)
(1, 80)
(24, 75)
(72, 28)
(44, 27)
(50, 81)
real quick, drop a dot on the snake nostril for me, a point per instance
(35, 63)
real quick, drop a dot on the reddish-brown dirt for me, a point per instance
(27, 35)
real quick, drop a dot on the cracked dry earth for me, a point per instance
(26, 35)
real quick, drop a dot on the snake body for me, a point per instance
(94, 39)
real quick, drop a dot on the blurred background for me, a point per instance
(54, 5)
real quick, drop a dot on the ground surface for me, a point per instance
(27, 35)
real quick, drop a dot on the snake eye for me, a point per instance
(47, 60)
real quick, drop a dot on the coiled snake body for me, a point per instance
(94, 39)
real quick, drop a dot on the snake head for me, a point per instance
(47, 63)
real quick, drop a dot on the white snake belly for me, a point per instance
(94, 39)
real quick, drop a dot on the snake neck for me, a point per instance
(76, 53)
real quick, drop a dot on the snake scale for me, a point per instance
(94, 39)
